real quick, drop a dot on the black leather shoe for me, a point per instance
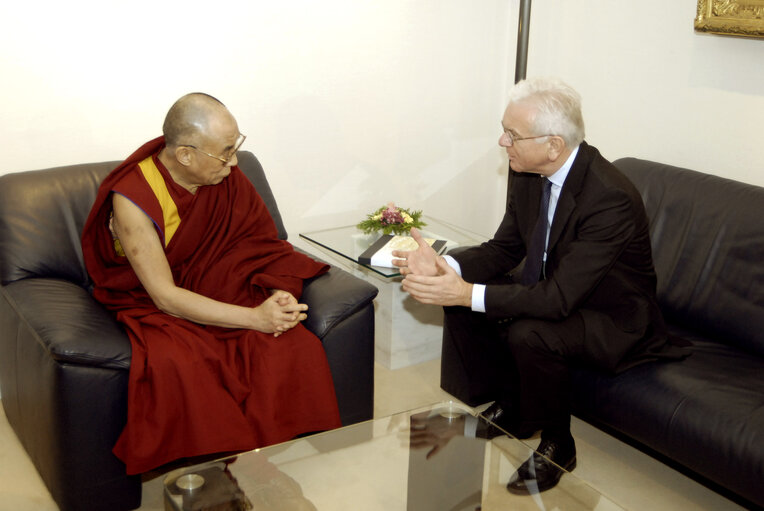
(495, 412)
(502, 416)
(538, 473)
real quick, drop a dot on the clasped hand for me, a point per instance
(429, 278)
(279, 313)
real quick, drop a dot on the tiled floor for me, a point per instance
(627, 476)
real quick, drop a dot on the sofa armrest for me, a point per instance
(69, 324)
(333, 297)
(341, 315)
(63, 373)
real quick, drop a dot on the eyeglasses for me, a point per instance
(224, 159)
(511, 139)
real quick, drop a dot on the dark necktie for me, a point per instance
(535, 255)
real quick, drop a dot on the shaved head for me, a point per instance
(190, 117)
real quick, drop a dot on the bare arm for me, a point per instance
(144, 251)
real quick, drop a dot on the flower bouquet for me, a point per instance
(391, 220)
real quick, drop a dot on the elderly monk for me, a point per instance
(182, 248)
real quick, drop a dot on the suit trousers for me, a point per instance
(522, 362)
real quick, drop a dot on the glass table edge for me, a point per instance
(171, 476)
(433, 407)
(385, 272)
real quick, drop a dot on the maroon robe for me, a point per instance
(196, 389)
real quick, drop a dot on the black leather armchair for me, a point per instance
(64, 360)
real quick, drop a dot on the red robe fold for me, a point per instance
(196, 389)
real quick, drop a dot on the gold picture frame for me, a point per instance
(731, 17)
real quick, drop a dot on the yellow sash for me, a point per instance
(159, 187)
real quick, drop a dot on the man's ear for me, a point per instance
(183, 155)
(555, 148)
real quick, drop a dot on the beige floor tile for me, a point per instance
(21, 489)
(407, 388)
(624, 474)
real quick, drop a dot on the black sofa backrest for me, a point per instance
(43, 212)
(707, 235)
(251, 167)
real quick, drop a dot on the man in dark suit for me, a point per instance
(585, 295)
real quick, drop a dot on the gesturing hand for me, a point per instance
(422, 261)
(446, 287)
(279, 313)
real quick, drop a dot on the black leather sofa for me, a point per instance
(64, 360)
(704, 414)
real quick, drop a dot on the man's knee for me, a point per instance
(523, 332)
(561, 338)
(460, 323)
(532, 338)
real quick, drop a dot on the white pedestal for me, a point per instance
(406, 332)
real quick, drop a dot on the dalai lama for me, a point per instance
(183, 250)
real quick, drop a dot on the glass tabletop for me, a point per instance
(438, 457)
(349, 242)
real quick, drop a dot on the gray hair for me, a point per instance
(558, 108)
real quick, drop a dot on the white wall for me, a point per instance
(652, 87)
(350, 104)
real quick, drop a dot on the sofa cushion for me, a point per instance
(708, 250)
(705, 412)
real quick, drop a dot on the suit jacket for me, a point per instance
(599, 263)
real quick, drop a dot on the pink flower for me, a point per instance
(391, 216)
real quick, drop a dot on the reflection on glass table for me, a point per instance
(349, 242)
(433, 458)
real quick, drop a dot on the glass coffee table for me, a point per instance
(405, 332)
(349, 242)
(433, 458)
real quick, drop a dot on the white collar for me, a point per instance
(558, 178)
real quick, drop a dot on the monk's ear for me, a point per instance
(183, 155)
(555, 148)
